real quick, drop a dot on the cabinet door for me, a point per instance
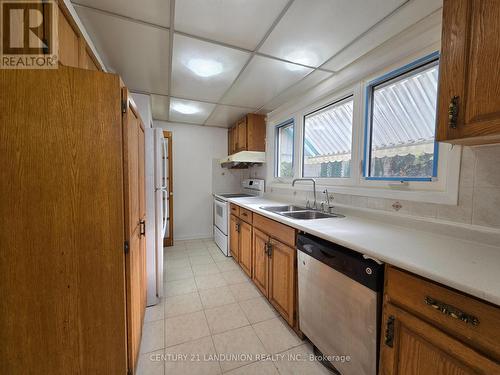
(230, 135)
(133, 152)
(282, 279)
(469, 71)
(234, 237)
(245, 256)
(409, 346)
(242, 134)
(260, 274)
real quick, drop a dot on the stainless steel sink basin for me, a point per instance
(280, 209)
(309, 215)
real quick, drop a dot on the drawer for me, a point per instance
(443, 306)
(276, 230)
(246, 215)
(234, 209)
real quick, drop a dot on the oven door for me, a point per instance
(220, 214)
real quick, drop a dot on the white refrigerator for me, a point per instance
(157, 211)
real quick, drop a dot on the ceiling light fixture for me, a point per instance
(185, 109)
(204, 68)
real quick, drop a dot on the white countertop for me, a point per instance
(471, 267)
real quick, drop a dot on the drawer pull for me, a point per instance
(244, 214)
(389, 332)
(451, 311)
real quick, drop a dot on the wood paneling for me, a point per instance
(62, 289)
(282, 279)
(410, 292)
(469, 70)
(69, 45)
(245, 246)
(419, 348)
(260, 273)
(234, 237)
(277, 230)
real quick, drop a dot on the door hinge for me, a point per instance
(124, 106)
(129, 372)
(126, 247)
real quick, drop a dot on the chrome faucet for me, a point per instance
(328, 206)
(314, 188)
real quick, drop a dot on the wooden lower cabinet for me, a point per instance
(274, 273)
(234, 247)
(245, 247)
(282, 271)
(422, 333)
(410, 346)
(260, 261)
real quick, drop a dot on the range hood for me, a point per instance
(243, 159)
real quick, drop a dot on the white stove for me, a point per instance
(250, 188)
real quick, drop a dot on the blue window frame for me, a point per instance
(400, 123)
(284, 149)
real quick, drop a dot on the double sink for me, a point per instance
(298, 212)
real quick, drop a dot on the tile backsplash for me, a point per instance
(478, 201)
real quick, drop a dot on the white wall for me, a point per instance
(194, 148)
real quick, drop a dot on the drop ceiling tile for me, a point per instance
(239, 23)
(159, 107)
(152, 11)
(202, 70)
(410, 14)
(139, 53)
(299, 88)
(312, 34)
(262, 80)
(225, 115)
(189, 110)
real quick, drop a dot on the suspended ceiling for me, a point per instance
(209, 62)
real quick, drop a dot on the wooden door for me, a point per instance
(410, 346)
(169, 196)
(245, 246)
(69, 44)
(242, 134)
(234, 237)
(62, 291)
(470, 56)
(260, 274)
(142, 216)
(282, 279)
(133, 154)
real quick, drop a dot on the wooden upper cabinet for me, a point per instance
(248, 134)
(469, 83)
(241, 127)
(282, 279)
(245, 246)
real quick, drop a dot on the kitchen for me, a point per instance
(251, 187)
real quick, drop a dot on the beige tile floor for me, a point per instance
(213, 320)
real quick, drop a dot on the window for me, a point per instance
(328, 141)
(401, 123)
(284, 150)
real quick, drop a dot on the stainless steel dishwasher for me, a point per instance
(339, 304)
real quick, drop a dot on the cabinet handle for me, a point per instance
(451, 311)
(453, 112)
(244, 214)
(238, 227)
(142, 228)
(389, 332)
(269, 251)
